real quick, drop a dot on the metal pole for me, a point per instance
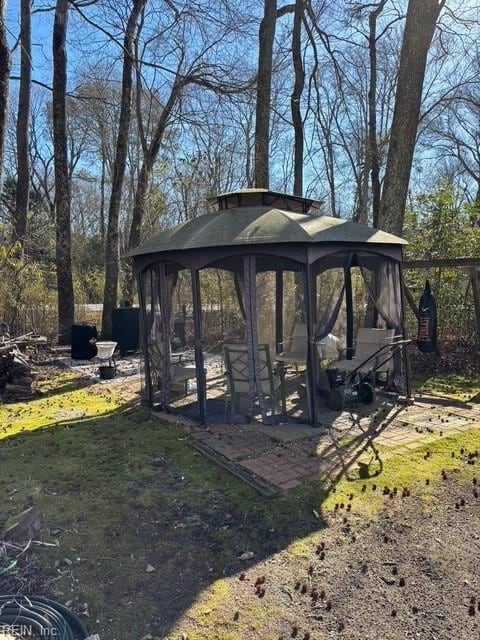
(310, 294)
(278, 310)
(349, 308)
(406, 359)
(199, 364)
(143, 316)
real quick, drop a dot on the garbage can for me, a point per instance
(126, 328)
(82, 348)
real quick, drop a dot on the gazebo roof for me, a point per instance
(262, 224)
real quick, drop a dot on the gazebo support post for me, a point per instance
(349, 308)
(310, 303)
(475, 277)
(197, 327)
(278, 310)
(148, 377)
(406, 359)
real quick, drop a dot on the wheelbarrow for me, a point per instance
(105, 352)
(356, 387)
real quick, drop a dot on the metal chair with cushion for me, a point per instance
(238, 379)
(180, 372)
(294, 350)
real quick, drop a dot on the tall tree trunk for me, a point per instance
(62, 183)
(476, 204)
(4, 76)
(361, 213)
(296, 98)
(297, 121)
(139, 204)
(110, 291)
(330, 167)
(420, 25)
(264, 93)
(373, 159)
(102, 197)
(23, 119)
(143, 183)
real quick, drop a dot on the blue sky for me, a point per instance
(42, 24)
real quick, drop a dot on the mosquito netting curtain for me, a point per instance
(246, 301)
(242, 337)
(168, 332)
(355, 290)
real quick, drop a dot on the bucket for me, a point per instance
(106, 372)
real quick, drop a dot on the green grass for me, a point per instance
(456, 387)
(409, 470)
(100, 469)
(130, 491)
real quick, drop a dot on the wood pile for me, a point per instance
(16, 371)
(16, 377)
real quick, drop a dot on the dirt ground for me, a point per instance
(152, 540)
(412, 573)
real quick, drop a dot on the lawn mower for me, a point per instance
(356, 387)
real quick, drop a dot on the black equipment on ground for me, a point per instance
(345, 394)
(427, 321)
(106, 372)
(356, 387)
(82, 348)
(34, 616)
(126, 328)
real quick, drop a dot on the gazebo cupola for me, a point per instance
(263, 198)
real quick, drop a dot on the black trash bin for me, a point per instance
(82, 348)
(126, 328)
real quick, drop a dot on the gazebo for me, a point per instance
(262, 286)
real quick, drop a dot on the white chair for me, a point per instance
(369, 341)
(238, 378)
(294, 350)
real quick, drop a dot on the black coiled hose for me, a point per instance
(33, 616)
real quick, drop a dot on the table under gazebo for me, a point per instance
(269, 293)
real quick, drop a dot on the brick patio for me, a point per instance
(279, 457)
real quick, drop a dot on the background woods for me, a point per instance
(124, 122)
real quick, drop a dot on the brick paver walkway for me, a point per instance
(280, 457)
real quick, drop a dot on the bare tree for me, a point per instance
(373, 160)
(66, 308)
(112, 240)
(266, 39)
(23, 159)
(264, 93)
(420, 26)
(150, 155)
(297, 96)
(456, 137)
(41, 155)
(4, 76)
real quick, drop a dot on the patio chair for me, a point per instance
(238, 381)
(180, 372)
(294, 350)
(369, 341)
